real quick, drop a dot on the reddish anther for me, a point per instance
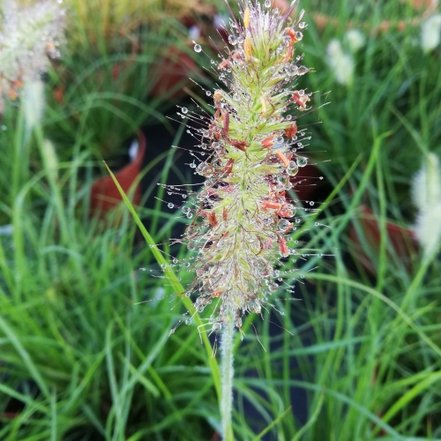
(228, 167)
(291, 131)
(226, 126)
(282, 158)
(291, 34)
(241, 145)
(270, 205)
(268, 142)
(225, 214)
(285, 212)
(212, 218)
(300, 100)
(283, 247)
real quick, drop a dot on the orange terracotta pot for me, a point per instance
(104, 195)
(171, 75)
(402, 240)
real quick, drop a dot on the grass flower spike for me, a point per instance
(254, 144)
(340, 62)
(426, 193)
(254, 150)
(431, 33)
(29, 37)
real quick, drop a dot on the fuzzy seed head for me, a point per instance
(431, 33)
(243, 217)
(340, 62)
(29, 37)
(426, 193)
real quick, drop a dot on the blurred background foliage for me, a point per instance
(89, 348)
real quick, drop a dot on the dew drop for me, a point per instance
(184, 110)
(302, 161)
(283, 224)
(197, 48)
(267, 3)
(193, 165)
(311, 203)
(299, 35)
(292, 168)
(208, 93)
(170, 205)
(302, 25)
(232, 39)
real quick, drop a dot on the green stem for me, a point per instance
(227, 374)
(53, 181)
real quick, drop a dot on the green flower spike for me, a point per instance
(253, 143)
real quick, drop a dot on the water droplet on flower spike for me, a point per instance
(184, 110)
(197, 48)
(292, 168)
(232, 39)
(283, 224)
(302, 161)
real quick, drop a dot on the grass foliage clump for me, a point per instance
(89, 343)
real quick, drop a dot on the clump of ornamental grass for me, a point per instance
(29, 38)
(253, 149)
